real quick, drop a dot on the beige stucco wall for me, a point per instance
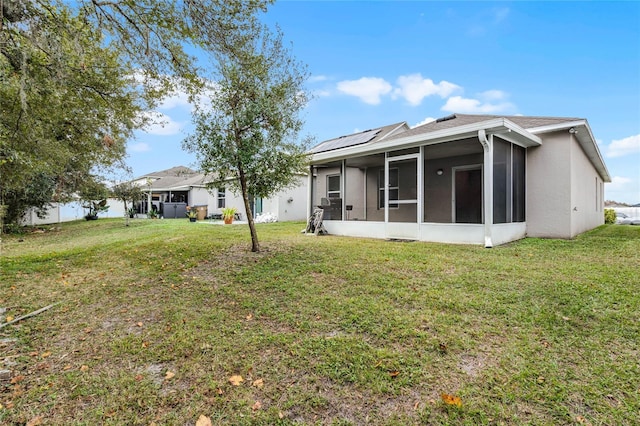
(548, 209)
(278, 205)
(354, 196)
(373, 212)
(587, 209)
(289, 204)
(320, 183)
(199, 197)
(561, 189)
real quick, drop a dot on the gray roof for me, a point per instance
(179, 177)
(456, 120)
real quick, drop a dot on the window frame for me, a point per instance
(332, 193)
(222, 197)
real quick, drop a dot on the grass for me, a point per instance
(155, 318)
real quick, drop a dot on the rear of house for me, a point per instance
(475, 179)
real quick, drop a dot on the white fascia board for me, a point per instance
(556, 127)
(493, 126)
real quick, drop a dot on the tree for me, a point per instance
(246, 137)
(93, 197)
(67, 105)
(127, 192)
(75, 78)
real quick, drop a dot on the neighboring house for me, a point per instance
(478, 179)
(170, 191)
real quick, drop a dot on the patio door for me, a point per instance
(467, 194)
(401, 196)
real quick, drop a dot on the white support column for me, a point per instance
(420, 184)
(487, 145)
(343, 188)
(366, 173)
(310, 193)
(386, 187)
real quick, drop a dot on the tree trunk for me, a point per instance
(255, 245)
(126, 214)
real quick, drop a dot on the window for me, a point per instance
(394, 188)
(222, 194)
(333, 186)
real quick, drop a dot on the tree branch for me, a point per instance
(29, 315)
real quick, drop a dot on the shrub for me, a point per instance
(609, 216)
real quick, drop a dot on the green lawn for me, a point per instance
(154, 319)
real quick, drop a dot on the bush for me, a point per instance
(609, 216)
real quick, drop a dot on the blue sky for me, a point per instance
(377, 62)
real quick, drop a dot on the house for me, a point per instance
(477, 179)
(170, 191)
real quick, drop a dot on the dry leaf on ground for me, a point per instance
(203, 421)
(236, 380)
(35, 421)
(451, 399)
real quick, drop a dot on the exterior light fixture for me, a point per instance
(439, 172)
(573, 131)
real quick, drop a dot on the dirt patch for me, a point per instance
(232, 259)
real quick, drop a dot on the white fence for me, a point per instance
(68, 212)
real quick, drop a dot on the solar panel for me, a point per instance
(346, 141)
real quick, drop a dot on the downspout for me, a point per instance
(487, 177)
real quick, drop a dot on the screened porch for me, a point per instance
(431, 192)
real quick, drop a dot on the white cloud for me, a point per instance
(493, 95)
(321, 93)
(618, 184)
(317, 78)
(622, 147)
(160, 124)
(368, 89)
(425, 121)
(140, 147)
(489, 102)
(414, 88)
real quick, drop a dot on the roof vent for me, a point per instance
(447, 118)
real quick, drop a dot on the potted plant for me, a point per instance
(228, 214)
(131, 211)
(192, 214)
